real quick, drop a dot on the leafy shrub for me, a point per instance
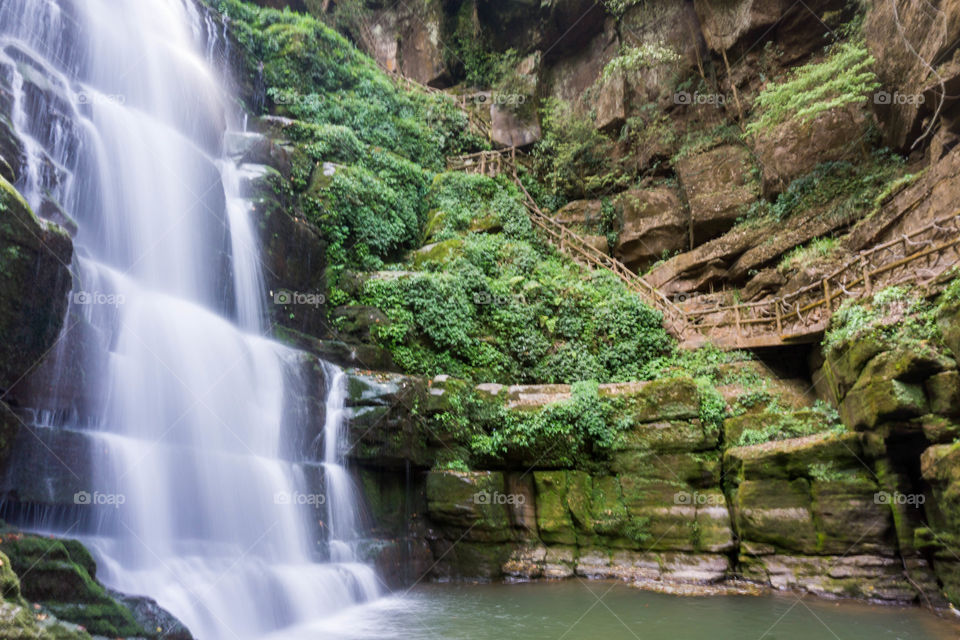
(502, 307)
(845, 191)
(572, 157)
(557, 434)
(844, 78)
(894, 314)
(633, 59)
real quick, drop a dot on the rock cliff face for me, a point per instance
(834, 513)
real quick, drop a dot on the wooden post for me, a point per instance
(826, 294)
(736, 311)
(776, 306)
(867, 285)
(483, 164)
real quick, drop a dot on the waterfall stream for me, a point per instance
(187, 487)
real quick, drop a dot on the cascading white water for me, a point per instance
(121, 120)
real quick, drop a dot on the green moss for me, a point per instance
(60, 574)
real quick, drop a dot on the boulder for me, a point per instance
(570, 77)
(791, 150)
(470, 505)
(653, 224)
(906, 38)
(706, 265)
(61, 575)
(719, 187)
(586, 214)
(35, 278)
(744, 24)
(513, 109)
(882, 400)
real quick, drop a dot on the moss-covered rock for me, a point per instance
(943, 391)
(553, 518)
(665, 400)
(61, 575)
(472, 505)
(777, 512)
(34, 281)
(882, 400)
(785, 459)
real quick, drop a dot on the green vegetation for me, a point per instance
(633, 59)
(572, 158)
(844, 78)
(844, 191)
(781, 423)
(503, 307)
(896, 315)
(365, 147)
(802, 256)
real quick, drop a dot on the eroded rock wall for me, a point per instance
(677, 503)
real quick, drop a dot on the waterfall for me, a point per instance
(189, 489)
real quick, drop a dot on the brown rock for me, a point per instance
(903, 69)
(653, 223)
(719, 187)
(570, 77)
(790, 150)
(707, 264)
(580, 213)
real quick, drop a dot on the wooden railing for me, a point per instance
(488, 163)
(802, 316)
(587, 255)
(793, 318)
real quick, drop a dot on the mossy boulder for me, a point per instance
(949, 322)
(553, 517)
(882, 400)
(849, 516)
(776, 512)
(786, 459)
(34, 282)
(664, 400)
(843, 364)
(470, 504)
(668, 437)
(943, 392)
(700, 469)
(61, 575)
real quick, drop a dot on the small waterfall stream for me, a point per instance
(190, 493)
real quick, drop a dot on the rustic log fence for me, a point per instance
(802, 315)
